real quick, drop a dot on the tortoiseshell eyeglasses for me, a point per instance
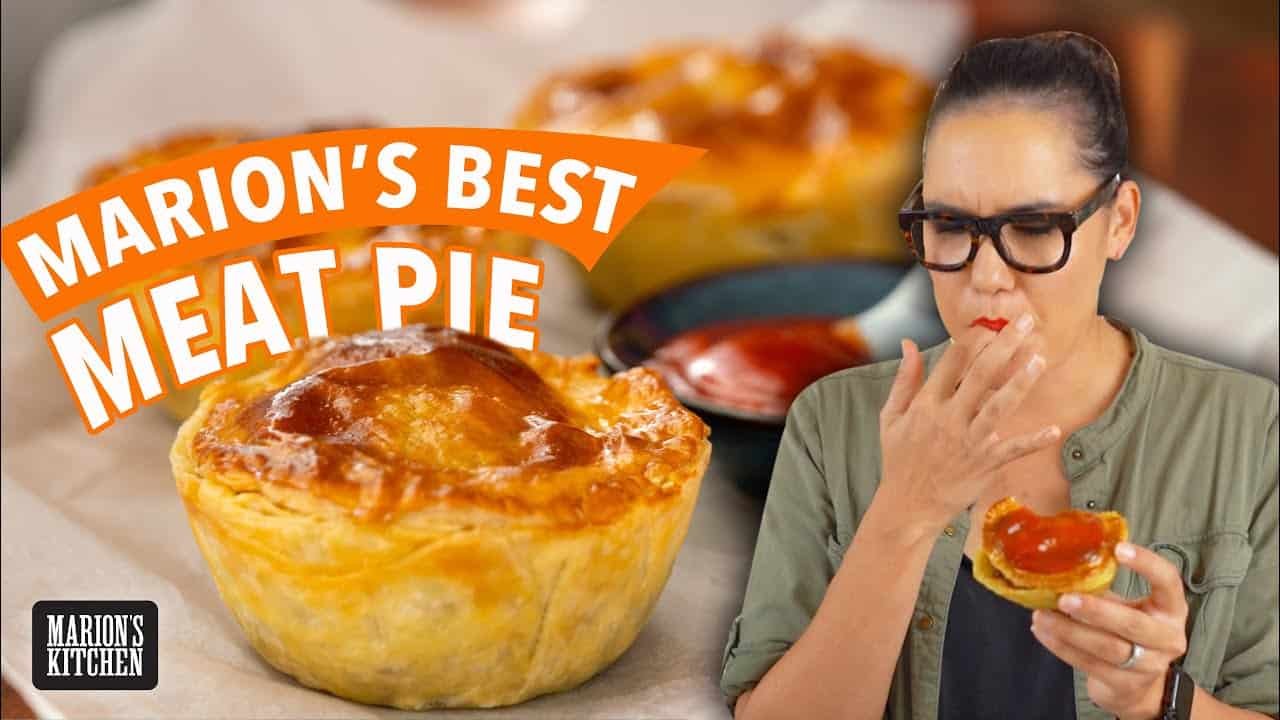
(1031, 242)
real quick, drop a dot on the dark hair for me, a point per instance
(1063, 70)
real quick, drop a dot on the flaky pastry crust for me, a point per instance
(423, 518)
(811, 149)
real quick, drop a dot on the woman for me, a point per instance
(861, 601)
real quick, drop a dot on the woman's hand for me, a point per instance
(1096, 635)
(938, 440)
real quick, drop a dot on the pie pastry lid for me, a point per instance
(810, 149)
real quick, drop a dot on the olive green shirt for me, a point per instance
(1187, 452)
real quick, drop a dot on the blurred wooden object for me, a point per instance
(11, 705)
(1155, 55)
(1201, 89)
(1231, 121)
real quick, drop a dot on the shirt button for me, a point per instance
(924, 623)
(1091, 504)
(1076, 453)
(949, 531)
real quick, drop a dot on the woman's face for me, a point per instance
(997, 156)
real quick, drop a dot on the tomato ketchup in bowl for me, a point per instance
(738, 346)
(760, 365)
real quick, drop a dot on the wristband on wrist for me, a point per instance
(1179, 691)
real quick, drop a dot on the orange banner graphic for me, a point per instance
(575, 191)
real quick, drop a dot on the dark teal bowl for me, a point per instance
(744, 444)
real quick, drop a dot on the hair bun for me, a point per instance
(1063, 70)
(1099, 55)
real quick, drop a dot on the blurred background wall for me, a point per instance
(27, 27)
(1202, 80)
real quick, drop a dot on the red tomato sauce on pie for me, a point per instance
(1054, 544)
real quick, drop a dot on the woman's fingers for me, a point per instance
(1099, 643)
(1006, 451)
(1001, 403)
(1122, 691)
(955, 361)
(1125, 621)
(1077, 657)
(927, 419)
(989, 367)
(906, 384)
(1164, 578)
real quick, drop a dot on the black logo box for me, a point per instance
(64, 661)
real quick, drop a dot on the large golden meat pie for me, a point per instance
(425, 518)
(349, 292)
(811, 149)
(1032, 560)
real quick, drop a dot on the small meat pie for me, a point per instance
(1031, 560)
(810, 149)
(425, 518)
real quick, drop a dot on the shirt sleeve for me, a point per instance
(1250, 678)
(791, 568)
